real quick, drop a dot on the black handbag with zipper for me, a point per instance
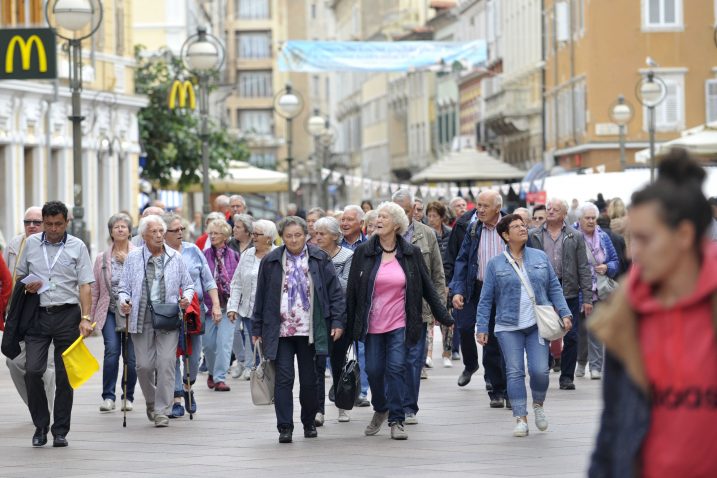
(349, 386)
(165, 315)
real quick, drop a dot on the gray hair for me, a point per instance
(246, 220)
(371, 216)
(221, 227)
(237, 197)
(455, 200)
(563, 203)
(36, 209)
(115, 218)
(222, 200)
(585, 207)
(398, 215)
(496, 196)
(170, 217)
(402, 194)
(291, 221)
(151, 219)
(214, 216)
(152, 211)
(357, 209)
(267, 227)
(330, 225)
(316, 210)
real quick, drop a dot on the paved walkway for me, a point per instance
(458, 435)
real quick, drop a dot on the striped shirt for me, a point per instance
(490, 246)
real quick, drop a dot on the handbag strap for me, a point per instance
(591, 256)
(526, 284)
(146, 284)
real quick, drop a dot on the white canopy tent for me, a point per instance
(468, 165)
(241, 177)
(700, 141)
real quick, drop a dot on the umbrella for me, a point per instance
(468, 165)
(700, 141)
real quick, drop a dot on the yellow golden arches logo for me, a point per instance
(185, 90)
(25, 53)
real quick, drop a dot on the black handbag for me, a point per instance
(349, 386)
(165, 316)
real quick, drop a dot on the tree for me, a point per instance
(170, 138)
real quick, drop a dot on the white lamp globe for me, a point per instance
(290, 104)
(73, 15)
(202, 55)
(316, 125)
(621, 114)
(651, 92)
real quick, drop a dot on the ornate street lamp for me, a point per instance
(288, 104)
(621, 114)
(651, 91)
(75, 21)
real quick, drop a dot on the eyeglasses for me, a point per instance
(256, 234)
(518, 226)
(179, 229)
(27, 222)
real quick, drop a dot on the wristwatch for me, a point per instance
(86, 317)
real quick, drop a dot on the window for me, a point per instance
(255, 84)
(253, 45)
(313, 10)
(119, 27)
(265, 160)
(252, 9)
(670, 114)
(711, 100)
(256, 121)
(662, 14)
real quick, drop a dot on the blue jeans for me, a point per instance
(243, 348)
(386, 369)
(110, 367)
(515, 345)
(217, 342)
(415, 360)
(180, 376)
(362, 365)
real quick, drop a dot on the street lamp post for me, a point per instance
(621, 114)
(203, 55)
(328, 136)
(288, 104)
(315, 127)
(651, 92)
(73, 17)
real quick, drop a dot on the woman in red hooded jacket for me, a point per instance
(659, 328)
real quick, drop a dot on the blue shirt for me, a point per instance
(353, 246)
(198, 269)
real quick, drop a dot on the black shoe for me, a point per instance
(556, 365)
(497, 402)
(332, 394)
(310, 432)
(566, 384)
(285, 435)
(40, 437)
(508, 404)
(465, 377)
(59, 441)
(362, 402)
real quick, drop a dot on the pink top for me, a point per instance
(388, 310)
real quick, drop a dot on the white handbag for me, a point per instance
(262, 378)
(550, 325)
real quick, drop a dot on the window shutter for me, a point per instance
(711, 100)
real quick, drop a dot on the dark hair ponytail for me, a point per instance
(678, 192)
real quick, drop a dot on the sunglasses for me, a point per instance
(179, 229)
(27, 222)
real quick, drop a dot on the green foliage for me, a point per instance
(171, 137)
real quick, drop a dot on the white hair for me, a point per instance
(267, 228)
(357, 209)
(151, 219)
(585, 207)
(563, 203)
(215, 216)
(237, 197)
(402, 194)
(331, 226)
(455, 200)
(36, 209)
(398, 215)
(496, 197)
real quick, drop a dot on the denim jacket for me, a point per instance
(502, 286)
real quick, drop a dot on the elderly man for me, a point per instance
(237, 205)
(32, 223)
(480, 244)
(424, 238)
(565, 249)
(137, 240)
(351, 222)
(419, 210)
(61, 264)
(458, 207)
(222, 204)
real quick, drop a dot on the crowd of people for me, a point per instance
(315, 287)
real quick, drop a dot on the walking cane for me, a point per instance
(125, 353)
(186, 362)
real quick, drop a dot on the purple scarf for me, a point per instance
(297, 280)
(595, 246)
(221, 276)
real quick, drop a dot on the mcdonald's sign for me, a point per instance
(185, 91)
(28, 54)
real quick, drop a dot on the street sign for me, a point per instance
(185, 90)
(28, 54)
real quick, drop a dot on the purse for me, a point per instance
(605, 285)
(165, 316)
(262, 378)
(550, 325)
(347, 390)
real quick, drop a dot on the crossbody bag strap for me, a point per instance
(591, 257)
(17, 259)
(526, 284)
(146, 284)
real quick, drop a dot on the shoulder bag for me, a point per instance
(349, 386)
(165, 316)
(550, 325)
(605, 285)
(262, 378)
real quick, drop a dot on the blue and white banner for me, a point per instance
(379, 56)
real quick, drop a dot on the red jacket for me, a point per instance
(5, 290)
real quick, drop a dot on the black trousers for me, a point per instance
(299, 347)
(60, 328)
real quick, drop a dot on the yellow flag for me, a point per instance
(79, 363)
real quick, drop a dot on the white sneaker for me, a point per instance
(344, 416)
(319, 420)
(595, 374)
(447, 362)
(246, 375)
(237, 370)
(128, 407)
(429, 362)
(580, 370)
(107, 406)
(521, 428)
(411, 419)
(541, 421)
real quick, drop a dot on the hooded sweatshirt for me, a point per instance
(679, 351)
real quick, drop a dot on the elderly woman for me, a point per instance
(603, 260)
(105, 312)
(243, 293)
(219, 335)
(514, 282)
(312, 216)
(298, 301)
(370, 221)
(241, 233)
(387, 285)
(154, 273)
(199, 271)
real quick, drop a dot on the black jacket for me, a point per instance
(454, 243)
(266, 321)
(364, 267)
(24, 308)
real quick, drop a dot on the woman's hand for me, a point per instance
(482, 339)
(567, 323)
(601, 269)
(255, 339)
(216, 314)
(184, 303)
(232, 316)
(126, 307)
(337, 333)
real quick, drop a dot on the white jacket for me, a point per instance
(243, 287)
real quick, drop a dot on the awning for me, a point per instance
(241, 177)
(468, 165)
(700, 141)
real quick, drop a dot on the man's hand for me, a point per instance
(33, 287)
(86, 328)
(458, 302)
(568, 324)
(482, 339)
(587, 309)
(337, 333)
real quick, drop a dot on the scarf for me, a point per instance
(221, 277)
(296, 279)
(598, 253)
